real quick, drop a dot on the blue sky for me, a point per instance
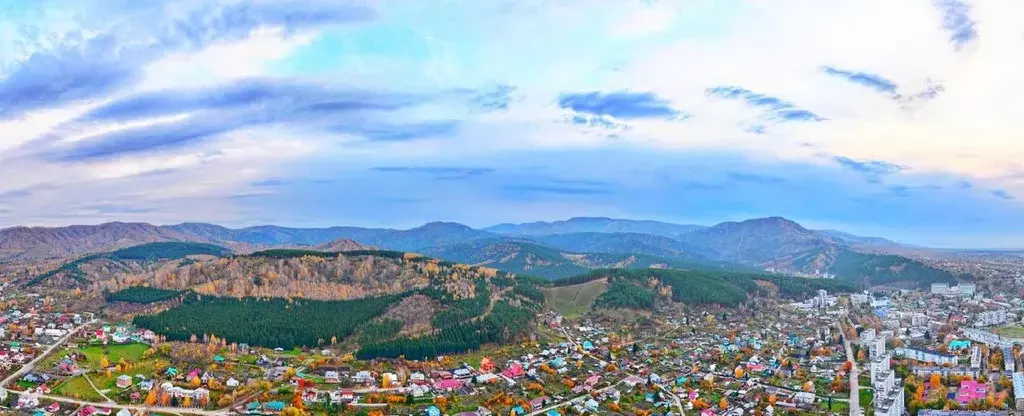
(896, 119)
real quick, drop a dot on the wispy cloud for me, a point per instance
(755, 178)
(83, 68)
(555, 189)
(956, 19)
(437, 172)
(1002, 194)
(873, 81)
(871, 169)
(621, 105)
(187, 116)
(776, 108)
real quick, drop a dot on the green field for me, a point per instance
(77, 388)
(574, 300)
(130, 352)
(1010, 331)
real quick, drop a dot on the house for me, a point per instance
(540, 402)
(332, 377)
(124, 412)
(274, 407)
(447, 385)
(462, 373)
(231, 383)
(146, 385)
(633, 381)
(53, 408)
(347, 394)
(515, 370)
(433, 411)
(27, 401)
(124, 381)
(363, 377)
(970, 391)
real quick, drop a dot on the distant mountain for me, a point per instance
(522, 256)
(593, 225)
(636, 243)
(44, 242)
(759, 241)
(856, 239)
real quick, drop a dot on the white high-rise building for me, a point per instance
(888, 390)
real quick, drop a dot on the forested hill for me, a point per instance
(641, 289)
(456, 308)
(528, 257)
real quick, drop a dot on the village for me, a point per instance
(949, 351)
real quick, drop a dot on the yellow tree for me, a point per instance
(104, 362)
(187, 402)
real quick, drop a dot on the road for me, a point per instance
(136, 408)
(32, 364)
(148, 409)
(854, 373)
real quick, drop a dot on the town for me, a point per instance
(951, 350)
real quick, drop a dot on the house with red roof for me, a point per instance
(515, 370)
(447, 385)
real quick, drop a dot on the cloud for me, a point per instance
(621, 105)
(400, 132)
(875, 82)
(1002, 194)
(559, 190)
(755, 178)
(956, 19)
(871, 169)
(776, 108)
(437, 172)
(82, 67)
(496, 100)
(175, 118)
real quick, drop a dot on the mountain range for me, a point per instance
(549, 249)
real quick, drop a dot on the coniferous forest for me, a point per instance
(271, 323)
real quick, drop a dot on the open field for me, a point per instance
(1010, 331)
(130, 352)
(77, 388)
(574, 300)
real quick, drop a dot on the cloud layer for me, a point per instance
(859, 115)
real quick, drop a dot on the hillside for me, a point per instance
(641, 289)
(129, 260)
(528, 257)
(593, 225)
(41, 242)
(758, 241)
(552, 249)
(437, 307)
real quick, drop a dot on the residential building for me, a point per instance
(932, 357)
(991, 318)
(940, 289)
(975, 357)
(1018, 389)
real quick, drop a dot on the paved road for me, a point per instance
(32, 364)
(132, 407)
(854, 373)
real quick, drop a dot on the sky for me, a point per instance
(877, 117)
